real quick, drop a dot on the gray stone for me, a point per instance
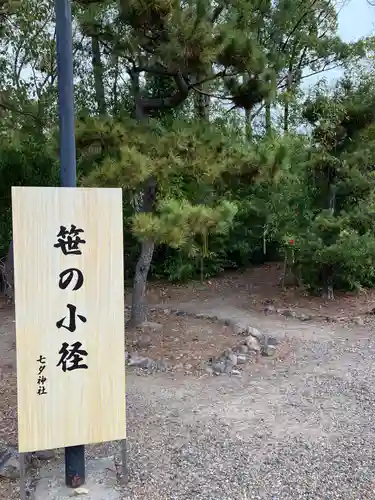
(9, 462)
(160, 365)
(139, 361)
(150, 326)
(304, 317)
(271, 341)
(143, 341)
(232, 359)
(228, 368)
(81, 491)
(209, 370)
(255, 333)
(244, 349)
(357, 320)
(236, 373)
(268, 350)
(240, 329)
(269, 309)
(45, 455)
(288, 313)
(241, 359)
(201, 316)
(253, 343)
(219, 367)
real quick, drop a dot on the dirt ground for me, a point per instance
(187, 341)
(253, 288)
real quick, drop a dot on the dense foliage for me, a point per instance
(200, 111)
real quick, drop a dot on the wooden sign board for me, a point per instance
(69, 292)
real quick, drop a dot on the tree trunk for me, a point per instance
(148, 195)
(327, 269)
(115, 89)
(248, 125)
(286, 117)
(9, 273)
(139, 301)
(268, 119)
(201, 100)
(98, 71)
(289, 83)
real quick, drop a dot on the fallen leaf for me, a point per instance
(81, 491)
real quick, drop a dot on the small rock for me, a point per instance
(188, 366)
(9, 462)
(209, 370)
(268, 301)
(218, 367)
(255, 333)
(304, 317)
(241, 359)
(240, 329)
(288, 313)
(232, 359)
(253, 343)
(244, 349)
(236, 373)
(45, 455)
(269, 309)
(144, 341)
(150, 326)
(228, 368)
(167, 311)
(81, 491)
(139, 361)
(272, 341)
(160, 365)
(268, 350)
(358, 321)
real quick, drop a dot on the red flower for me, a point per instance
(291, 242)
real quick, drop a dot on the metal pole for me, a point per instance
(64, 56)
(124, 463)
(74, 455)
(22, 476)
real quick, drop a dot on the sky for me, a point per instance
(356, 20)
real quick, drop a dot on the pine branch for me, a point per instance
(297, 25)
(199, 91)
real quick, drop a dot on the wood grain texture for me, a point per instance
(81, 406)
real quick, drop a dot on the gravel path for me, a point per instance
(299, 429)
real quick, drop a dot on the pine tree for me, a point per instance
(340, 239)
(179, 42)
(128, 154)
